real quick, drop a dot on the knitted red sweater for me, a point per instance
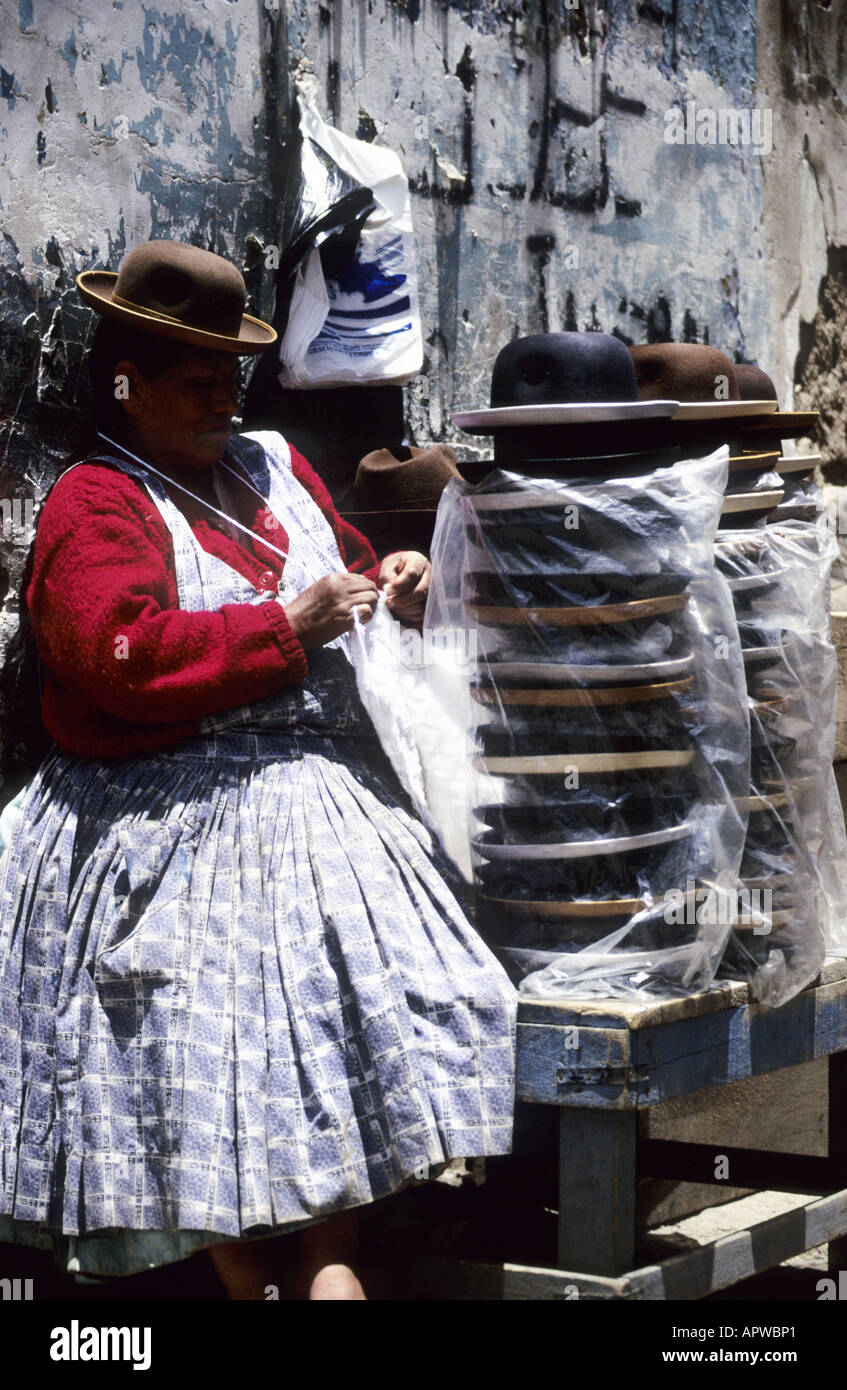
(126, 670)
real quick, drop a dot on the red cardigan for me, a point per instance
(126, 670)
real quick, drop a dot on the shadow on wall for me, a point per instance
(821, 367)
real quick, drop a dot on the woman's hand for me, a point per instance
(404, 579)
(325, 609)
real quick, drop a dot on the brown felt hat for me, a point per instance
(181, 292)
(396, 498)
(753, 383)
(385, 482)
(685, 372)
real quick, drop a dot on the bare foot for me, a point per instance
(336, 1283)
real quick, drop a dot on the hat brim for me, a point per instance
(552, 697)
(584, 615)
(97, 288)
(784, 424)
(735, 502)
(802, 463)
(508, 417)
(723, 410)
(581, 849)
(572, 907)
(541, 765)
(754, 463)
(396, 529)
(556, 673)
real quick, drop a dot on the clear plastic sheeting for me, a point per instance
(414, 686)
(610, 736)
(795, 857)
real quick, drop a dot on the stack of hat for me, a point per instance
(587, 667)
(764, 490)
(802, 498)
(585, 698)
(588, 708)
(776, 868)
(713, 411)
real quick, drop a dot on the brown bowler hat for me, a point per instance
(684, 372)
(181, 292)
(385, 482)
(753, 383)
(396, 499)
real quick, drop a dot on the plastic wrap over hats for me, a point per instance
(180, 292)
(684, 372)
(563, 369)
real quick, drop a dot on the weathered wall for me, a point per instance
(531, 128)
(802, 66)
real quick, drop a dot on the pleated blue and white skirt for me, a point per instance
(237, 993)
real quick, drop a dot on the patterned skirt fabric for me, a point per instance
(236, 994)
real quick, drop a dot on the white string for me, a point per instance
(327, 559)
(203, 503)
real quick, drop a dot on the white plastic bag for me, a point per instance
(363, 325)
(413, 686)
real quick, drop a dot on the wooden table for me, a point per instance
(600, 1062)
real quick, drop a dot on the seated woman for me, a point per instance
(237, 995)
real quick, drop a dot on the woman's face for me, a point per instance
(183, 417)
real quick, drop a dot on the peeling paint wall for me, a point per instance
(118, 122)
(544, 192)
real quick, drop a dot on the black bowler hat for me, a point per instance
(568, 402)
(563, 369)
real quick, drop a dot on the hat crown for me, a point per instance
(563, 369)
(753, 383)
(184, 283)
(689, 372)
(384, 481)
